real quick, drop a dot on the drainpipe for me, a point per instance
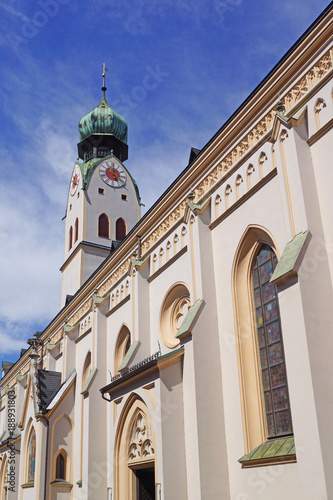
(46, 456)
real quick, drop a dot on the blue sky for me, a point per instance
(177, 71)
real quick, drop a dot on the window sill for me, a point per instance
(272, 452)
(61, 482)
(28, 485)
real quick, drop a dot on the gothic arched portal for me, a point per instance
(135, 452)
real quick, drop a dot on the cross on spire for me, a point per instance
(105, 69)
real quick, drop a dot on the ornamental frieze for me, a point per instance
(80, 312)
(302, 86)
(114, 277)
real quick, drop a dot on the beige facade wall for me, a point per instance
(188, 407)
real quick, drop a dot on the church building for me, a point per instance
(192, 354)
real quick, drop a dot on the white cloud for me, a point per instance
(45, 91)
(31, 254)
(10, 344)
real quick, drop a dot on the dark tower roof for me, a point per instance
(102, 131)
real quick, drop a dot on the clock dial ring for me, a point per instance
(112, 174)
(75, 181)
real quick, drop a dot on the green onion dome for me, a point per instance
(103, 120)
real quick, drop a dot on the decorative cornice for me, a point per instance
(303, 85)
(73, 321)
(117, 306)
(115, 276)
(247, 143)
(83, 335)
(155, 227)
(82, 245)
(245, 197)
(167, 264)
(322, 131)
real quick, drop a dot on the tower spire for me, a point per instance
(105, 69)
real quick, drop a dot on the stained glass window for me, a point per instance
(272, 363)
(31, 457)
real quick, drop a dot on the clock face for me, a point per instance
(75, 180)
(112, 174)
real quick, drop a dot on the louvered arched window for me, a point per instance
(103, 226)
(120, 229)
(70, 242)
(76, 232)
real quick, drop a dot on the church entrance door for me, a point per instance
(145, 484)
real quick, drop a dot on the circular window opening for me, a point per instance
(174, 309)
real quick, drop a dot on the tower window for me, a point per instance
(120, 229)
(76, 237)
(124, 197)
(101, 191)
(70, 243)
(103, 226)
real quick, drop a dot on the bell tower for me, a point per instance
(103, 201)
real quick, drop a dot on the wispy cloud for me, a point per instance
(11, 341)
(214, 52)
(12, 11)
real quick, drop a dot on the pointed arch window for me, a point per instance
(123, 344)
(103, 226)
(60, 473)
(86, 368)
(76, 237)
(31, 457)
(70, 243)
(271, 353)
(120, 229)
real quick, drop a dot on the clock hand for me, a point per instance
(113, 170)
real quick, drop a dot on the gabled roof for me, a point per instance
(57, 396)
(6, 365)
(193, 154)
(49, 385)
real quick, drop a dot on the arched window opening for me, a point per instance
(123, 343)
(31, 457)
(120, 229)
(227, 192)
(271, 354)
(70, 243)
(174, 308)
(103, 226)
(3, 477)
(60, 467)
(76, 237)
